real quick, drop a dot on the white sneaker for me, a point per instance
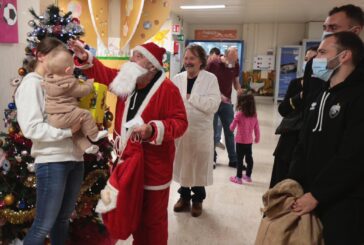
(100, 135)
(93, 149)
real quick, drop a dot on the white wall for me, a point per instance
(12, 54)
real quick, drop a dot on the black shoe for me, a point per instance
(232, 164)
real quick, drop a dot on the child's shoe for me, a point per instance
(247, 178)
(236, 180)
(100, 135)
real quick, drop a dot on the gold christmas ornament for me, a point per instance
(11, 130)
(30, 182)
(9, 199)
(22, 71)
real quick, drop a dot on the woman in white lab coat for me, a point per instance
(194, 150)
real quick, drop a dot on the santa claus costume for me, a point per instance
(162, 108)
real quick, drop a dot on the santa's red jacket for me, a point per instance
(163, 108)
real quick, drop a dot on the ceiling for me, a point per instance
(258, 11)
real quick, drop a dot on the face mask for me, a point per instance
(320, 69)
(325, 33)
(304, 66)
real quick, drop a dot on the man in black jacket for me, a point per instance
(344, 18)
(328, 161)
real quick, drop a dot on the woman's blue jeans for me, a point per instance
(58, 186)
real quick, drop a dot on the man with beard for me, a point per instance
(144, 93)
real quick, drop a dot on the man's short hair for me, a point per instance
(349, 41)
(354, 13)
(215, 51)
(314, 49)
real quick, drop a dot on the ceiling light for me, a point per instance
(222, 6)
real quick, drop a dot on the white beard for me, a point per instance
(124, 83)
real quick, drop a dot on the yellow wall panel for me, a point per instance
(101, 12)
(155, 13)
(131, 11)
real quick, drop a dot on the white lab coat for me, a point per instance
(193, 163)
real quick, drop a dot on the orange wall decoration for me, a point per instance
(155, 13)
(216, 34)
(131, 11)
(80, 9)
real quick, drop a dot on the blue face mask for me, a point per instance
(320, 69)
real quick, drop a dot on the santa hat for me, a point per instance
(153, 53)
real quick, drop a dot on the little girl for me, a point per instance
(246, 121)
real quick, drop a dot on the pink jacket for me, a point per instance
(245, 125)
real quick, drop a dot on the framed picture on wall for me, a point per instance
(8, 21)
(288, 61)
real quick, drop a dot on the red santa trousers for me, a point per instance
(153, 228)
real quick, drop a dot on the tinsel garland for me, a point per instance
(90, 180)
(16, 218)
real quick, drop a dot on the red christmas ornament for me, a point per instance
(2, 204)
(76, 20)
(57, 29)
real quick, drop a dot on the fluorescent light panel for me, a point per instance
(222, 6)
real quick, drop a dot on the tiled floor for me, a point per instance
(231, 212)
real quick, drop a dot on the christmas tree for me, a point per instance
(17, 178)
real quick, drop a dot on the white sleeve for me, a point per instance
(29, 99)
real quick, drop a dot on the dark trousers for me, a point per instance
(199, 193)
(343, 222)
(244, 150)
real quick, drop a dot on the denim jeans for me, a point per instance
(217, 132)
(58, 186)
(226, 115)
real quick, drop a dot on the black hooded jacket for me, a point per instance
(329, 160)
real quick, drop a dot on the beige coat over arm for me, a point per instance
(193, 163)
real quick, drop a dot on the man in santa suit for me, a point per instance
(145, 93)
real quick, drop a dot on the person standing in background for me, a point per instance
(193, 162)
(290, 107)
(246, 122)
(227, 74)
(215, 55)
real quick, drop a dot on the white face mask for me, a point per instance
(325, 33)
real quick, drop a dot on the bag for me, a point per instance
(290, 123)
